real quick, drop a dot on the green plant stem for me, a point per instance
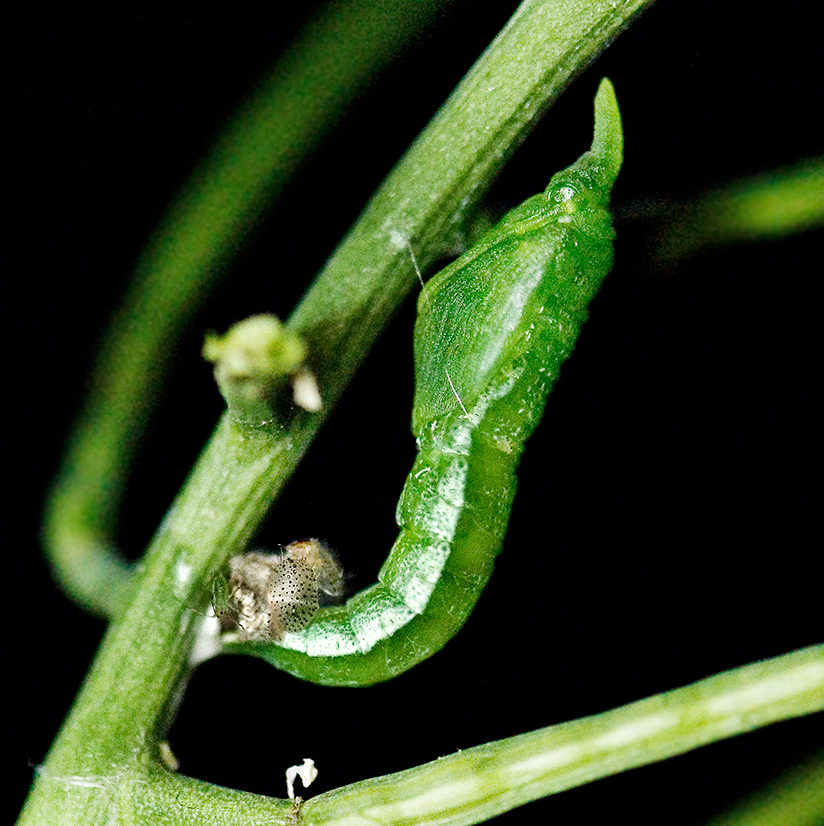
(124, 706)
(481, 782)
(484, 781)
(766, 206)
(795, 798)
(175, 800)
(260, 150)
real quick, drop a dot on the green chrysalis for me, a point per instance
(492, 332)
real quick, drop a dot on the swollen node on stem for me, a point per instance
(253, 360)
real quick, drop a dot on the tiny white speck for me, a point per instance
(307, 773)
(183, 572)
(398, 239)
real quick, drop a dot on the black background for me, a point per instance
(666, 526)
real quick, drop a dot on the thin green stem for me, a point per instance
(795, 798)
(484, 781)
(767, 206)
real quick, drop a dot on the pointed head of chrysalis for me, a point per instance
(599, 168)
(576, 193)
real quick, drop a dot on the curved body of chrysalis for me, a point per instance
(492, 332)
